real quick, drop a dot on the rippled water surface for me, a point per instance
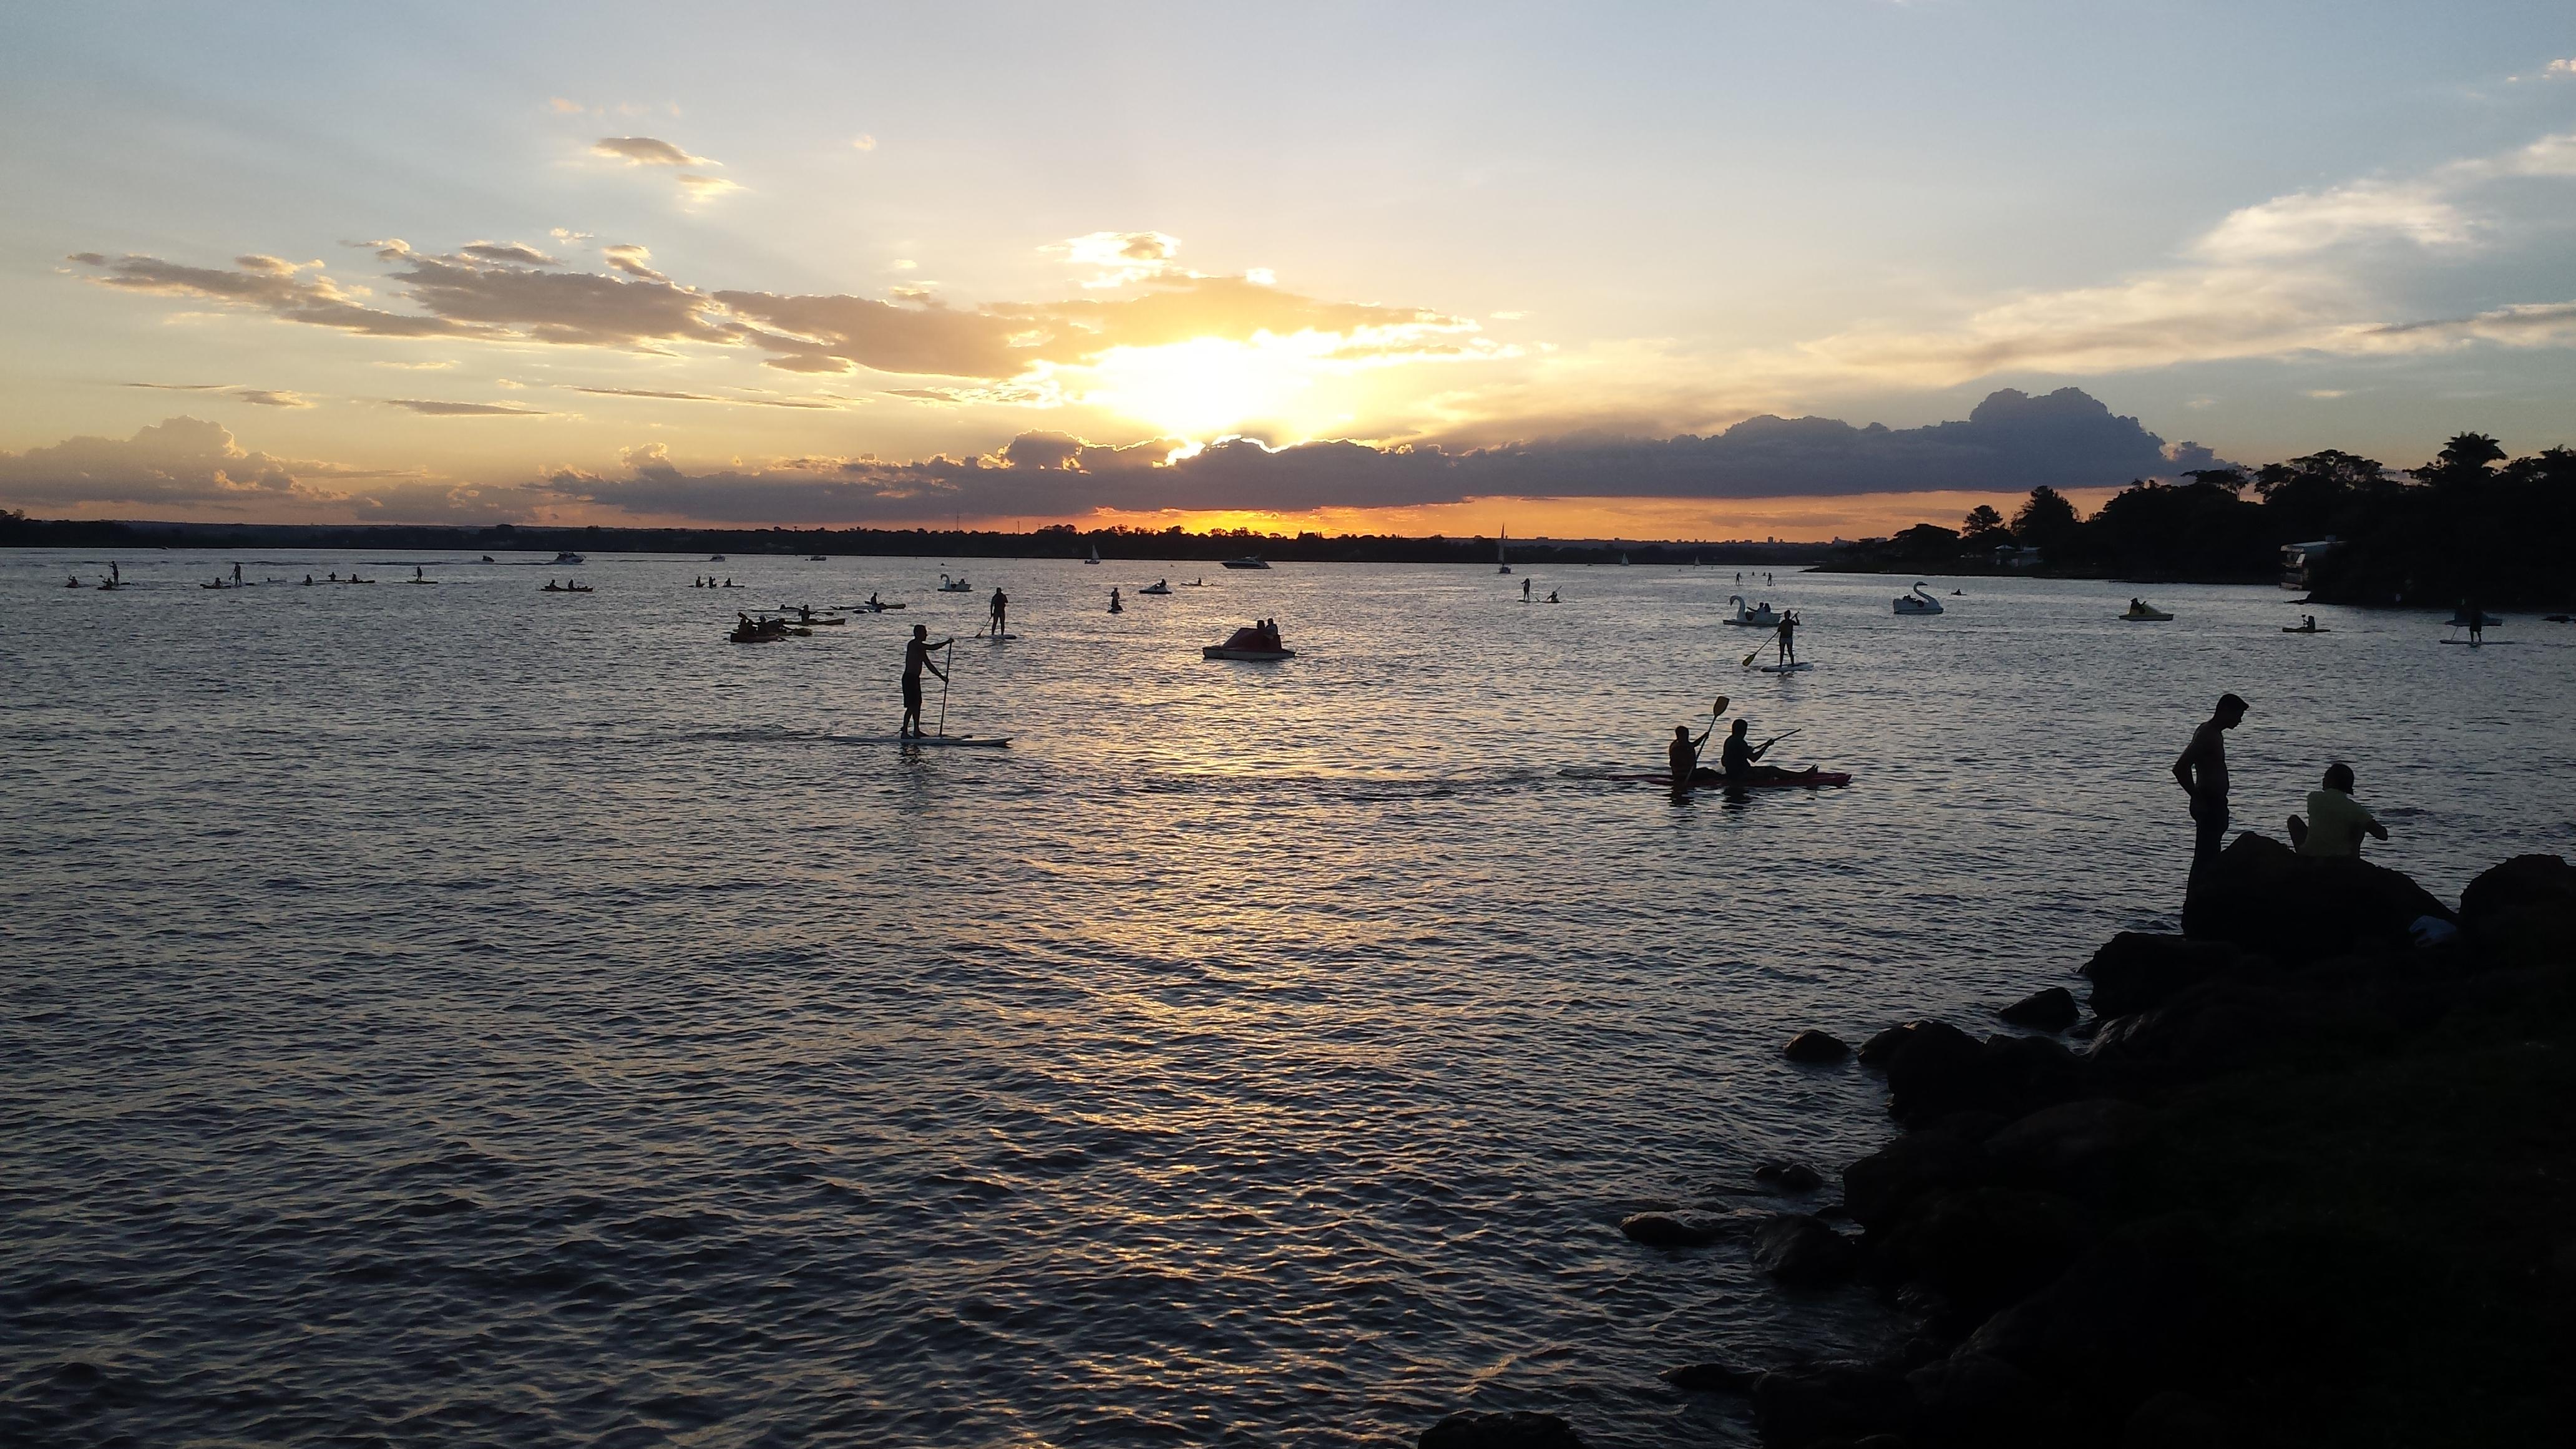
(462, 1013)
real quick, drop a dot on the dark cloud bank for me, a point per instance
(2009, 444)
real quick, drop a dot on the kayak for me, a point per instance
(1219, 651)
(2286, 629)
(2151, 616)
(1811, 779)
(961, 742)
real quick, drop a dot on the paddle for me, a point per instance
(1758, 648)
(943, 686)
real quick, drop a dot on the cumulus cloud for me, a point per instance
(863, 142)
(633, 260)
(435, 408)
(178, 460)
(517, 252)
(645, 151)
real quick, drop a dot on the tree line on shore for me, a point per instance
(2470, 524)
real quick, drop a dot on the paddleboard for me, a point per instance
(1781, 668)
(2479, 643)
(997, 638)
(2286, 629)
(961, 742)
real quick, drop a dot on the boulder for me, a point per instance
(1800, 1250)
(1935, 1069)
(1984, 1247)
(2524, 910)
(2024, 1073)
(2139, 971)
(1977, 1399)
(2050, 1010)
(1799, 1407)
(1816, 1046)
(2125, 1319)
(2175, 1420)
(2071, 1147)
(2261, 896)
(2214, 1028)
(1500, 1431)
(1880, 1187)
(1723, 1378)
(1788, 1176)
(1673, 1230)
(1883, 1044)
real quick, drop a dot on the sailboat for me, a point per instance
(1502, 560)
(1095, 555)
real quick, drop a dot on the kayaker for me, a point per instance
(2201, 770)
(1683, 753)
(916, 658)
(1552, 598)
(2336, 822)
(1739, 760)
(1001, 612)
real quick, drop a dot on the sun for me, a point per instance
(1201, 388)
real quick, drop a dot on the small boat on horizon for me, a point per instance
(569, 557)
(1248, 561)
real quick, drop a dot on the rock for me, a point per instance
(1500, 1431)
(1879, 1187)
(2524, 911)
(1672, 1230)
(2024, 1073)
(2071, 1147)
(1935, 1069)
(1978, 1399)
(2260, 896)
(1816, 1046)
(1789, 1176)
(2127, 1318)
(1724, 1378)
(2050, 1010)
(1984, 1247)
(1845, 1401)
(1879, 1047)
(1801, 1251)
(2213, 1028)
(2138, 971)
(2175, 1420)
(1972, 1125)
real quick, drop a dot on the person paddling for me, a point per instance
(1740, 759)
(916, 658)
(1001, 613)
(1788, 641)
(1683, 753)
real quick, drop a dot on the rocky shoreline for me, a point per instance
(2306, 1173)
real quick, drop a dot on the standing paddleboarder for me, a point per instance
(1001, 613)
(1788, 641)
(916, 658)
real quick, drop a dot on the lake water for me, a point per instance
(469, 1014)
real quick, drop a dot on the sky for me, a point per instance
(1691, 271)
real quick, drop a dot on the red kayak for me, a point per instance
(1811, 779)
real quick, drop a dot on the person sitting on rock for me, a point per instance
(2336, 822)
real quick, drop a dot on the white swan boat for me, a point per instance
(1754, 618)
(951, 586)
(1918, 602)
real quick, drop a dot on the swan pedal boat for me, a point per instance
(1759, 618)
(1918, 602)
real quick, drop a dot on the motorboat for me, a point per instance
(2142, 612)
(1918, 602)
(948, 585)
(1249, 561)
(711, 558)
(1159, 586)
(1227, 651)
(568, 557)
(1252, 641)
(1762, 617)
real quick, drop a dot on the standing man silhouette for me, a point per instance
(1001, 612)
(916, 658)
(2201, 770)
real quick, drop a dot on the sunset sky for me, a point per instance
(1027, 263)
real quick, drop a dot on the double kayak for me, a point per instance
(1808, 779)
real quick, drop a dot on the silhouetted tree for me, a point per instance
(2231, 478)
(1984, 528)
(1926, 543)
(2046, 522)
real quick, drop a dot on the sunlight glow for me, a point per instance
(1203, 387)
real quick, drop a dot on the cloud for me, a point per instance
(2011, 442)
(1119, 257)
(432, 407)
(645, 151)
(563, 107)
(817, 404)
(260, 396)
(694, 187)
(178, 460)
(2560, 68)
(633, 260)
(519, 253)
(863, 142)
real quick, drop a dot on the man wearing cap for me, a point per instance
(2202, 773)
